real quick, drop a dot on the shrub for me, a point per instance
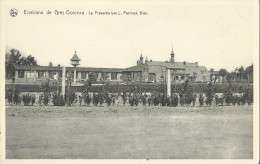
(210, 91)
(80, 99)
(95, 99)
(45, 87)
(46, 98)
(72, 99)
(109, 100)
(228, 94)
(186, 93)
(40, 99)
(33, 99)
(9, 95)
(13, 95)
(58, 99)
(201, 99)
(175, 100)
(28, 99)
(248, 95)
(86, 98)
(101, 98)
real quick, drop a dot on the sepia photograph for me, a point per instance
(130, 80)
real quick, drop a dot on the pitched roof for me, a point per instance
(165, 64)
(37, 68)
(186, 64)
(133, 69)
(185, 72)
(214, 72)
(86, 69)
(75, 57)
(91, 69)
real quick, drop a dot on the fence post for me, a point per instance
(63, 81)
(168, 82)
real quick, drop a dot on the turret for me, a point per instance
(141, 59)
(75, 60)
(172, 57)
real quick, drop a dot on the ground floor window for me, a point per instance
(152, 77)
(20, 74)
(104, 76)
(30, 74)
(113, 76)
(128, 74)
(83, 75)
(41, 74)
(52, 74)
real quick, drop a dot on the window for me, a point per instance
(95, 74)
(30, 74)
(40, 74)
(78, 75)
(83, 75)
(151, 76)
(104, 76)
(113, 76)
(52, 74)
(20, 74)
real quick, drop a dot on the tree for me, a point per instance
(222, 72)
(31, 61)
(241, 72)
(229, 77)
(50, 64)
(14, 57)
(91, 79)
(11, 59)
(249, 72)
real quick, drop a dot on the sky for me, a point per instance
(216, 35)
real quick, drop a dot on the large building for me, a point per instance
(155, 71)
(143, 71)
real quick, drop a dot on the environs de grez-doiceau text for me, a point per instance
(82, 12)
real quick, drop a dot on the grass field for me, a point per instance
(47, 132)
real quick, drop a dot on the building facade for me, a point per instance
(36, 74)
(155, 71)
(143, 71)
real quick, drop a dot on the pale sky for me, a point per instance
(214, 35)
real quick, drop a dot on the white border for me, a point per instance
(255, 30)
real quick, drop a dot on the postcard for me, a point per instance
(130, 81)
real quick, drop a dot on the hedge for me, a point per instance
(141, 87)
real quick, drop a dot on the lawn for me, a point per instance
(47, 132)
